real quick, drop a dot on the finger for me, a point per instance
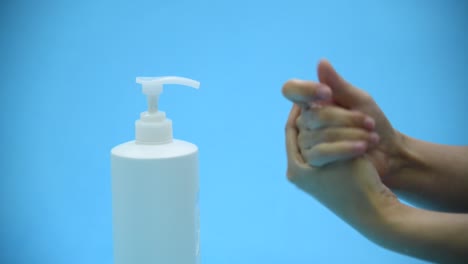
(325, 153)
(333, 116)
(344, 93)
(292, 150)
(308, 139)
(302, 124)
(304, 92)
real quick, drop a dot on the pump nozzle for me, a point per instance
(153, 87)
(153, 127)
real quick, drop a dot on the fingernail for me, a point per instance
(323, 92)
(374, 138)
(369, 122)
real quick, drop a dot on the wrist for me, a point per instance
(404, 152)
(395, 227)
(394, 230)
(377, 222)
(405, 158)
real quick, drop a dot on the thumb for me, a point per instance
(303, 93)
(344, 93)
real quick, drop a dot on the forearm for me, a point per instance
(433, 236)
(432, 176)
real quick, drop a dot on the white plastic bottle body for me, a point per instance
(155, 203)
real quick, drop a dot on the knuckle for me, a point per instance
(319, 152)
(363, 135)
(358, 118)
(304, 135)
(307, 115)
(315, 138)
(307, 139)
(315, 154)
(324, 114)
(323, 118)
(303, 151)
(301, 138)
(315, 160)
(328, 135)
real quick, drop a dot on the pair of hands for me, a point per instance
(340, 146)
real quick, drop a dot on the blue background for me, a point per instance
(68, 95)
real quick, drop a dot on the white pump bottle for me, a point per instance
(155, 189)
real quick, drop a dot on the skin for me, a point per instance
(429, 175)
(348, 170)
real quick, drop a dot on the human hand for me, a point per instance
(328, 133)
(351, 189)
(386, 155)
(354, 191)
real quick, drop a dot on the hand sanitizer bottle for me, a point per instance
(155, 189)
